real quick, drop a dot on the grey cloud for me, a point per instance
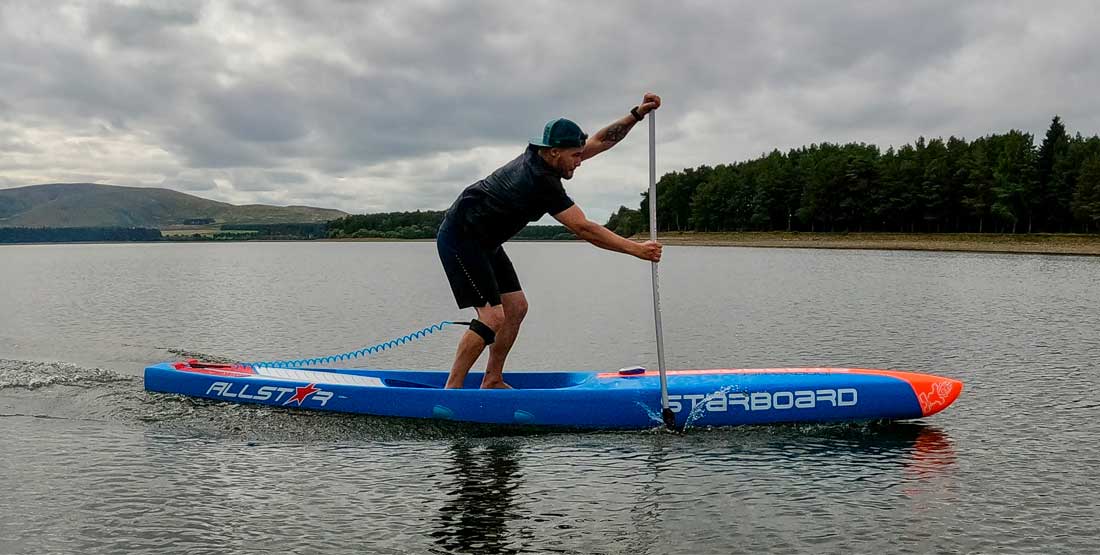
(201, 146)
(17, 144)
(252, 181)
(459, 171)
(141, 24)
(904, 36)
(286, 177)
(62, 77)
(260, 111)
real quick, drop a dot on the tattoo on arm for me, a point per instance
(615, 132)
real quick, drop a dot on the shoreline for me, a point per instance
(1064, 244)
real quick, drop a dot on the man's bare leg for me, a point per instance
(515, 308)
(471, 345)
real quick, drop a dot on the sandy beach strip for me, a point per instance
(965, 242)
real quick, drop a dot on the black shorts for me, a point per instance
(478, 275)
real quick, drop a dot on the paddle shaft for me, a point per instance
(666, 412)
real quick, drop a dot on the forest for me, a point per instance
(1001, 183)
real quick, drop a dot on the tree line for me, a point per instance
(421, 224)
(1000, 183)
(76, 234)
(279, 231)
(229, 232)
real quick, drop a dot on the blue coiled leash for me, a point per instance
(360, 352)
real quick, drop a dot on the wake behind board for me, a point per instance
(627, 399)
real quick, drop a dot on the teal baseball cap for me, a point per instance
(561, 133)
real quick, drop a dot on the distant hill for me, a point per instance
(93, 205)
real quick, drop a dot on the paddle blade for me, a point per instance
(669, 417)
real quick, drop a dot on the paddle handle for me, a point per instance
(666, 412)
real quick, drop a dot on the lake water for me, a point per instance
(91, 463)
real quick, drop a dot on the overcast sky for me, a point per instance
(381, 106)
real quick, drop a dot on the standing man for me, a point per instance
(491, 211)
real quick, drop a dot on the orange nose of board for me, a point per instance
(934, 393)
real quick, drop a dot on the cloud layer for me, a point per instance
(398, 105)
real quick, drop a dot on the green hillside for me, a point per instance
(93, 205)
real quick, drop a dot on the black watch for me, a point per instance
(637, 116)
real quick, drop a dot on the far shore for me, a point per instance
(1039, 243)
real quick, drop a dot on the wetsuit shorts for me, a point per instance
(478, 275)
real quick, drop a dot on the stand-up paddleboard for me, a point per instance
(626, 399)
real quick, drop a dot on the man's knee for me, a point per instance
(516, 310)
(515, 307)
(489, 320)
(492, 316)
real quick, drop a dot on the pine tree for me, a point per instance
(1052, 193)
(1086, 198)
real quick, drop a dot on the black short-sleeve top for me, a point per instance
(499, 206)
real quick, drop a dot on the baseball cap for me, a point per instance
(561, 133)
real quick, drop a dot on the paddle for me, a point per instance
(666, 413)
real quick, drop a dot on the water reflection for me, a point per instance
(930, 451)
(927, 451)
(481, 501)
(925, 454)
(646, 510)
(932, 466)
(933, 450)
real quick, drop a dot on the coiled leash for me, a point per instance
(485, 332)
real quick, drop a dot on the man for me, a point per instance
(491, 211)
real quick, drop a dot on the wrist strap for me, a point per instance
(637, 116)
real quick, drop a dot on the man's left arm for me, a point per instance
(611, 135)
(575, 220)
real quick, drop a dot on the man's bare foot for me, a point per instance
(496, 384)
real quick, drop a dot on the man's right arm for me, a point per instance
(575, 220)
(611, 135)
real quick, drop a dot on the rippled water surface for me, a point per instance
(91, 463)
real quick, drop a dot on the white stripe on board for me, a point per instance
(312, 376)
